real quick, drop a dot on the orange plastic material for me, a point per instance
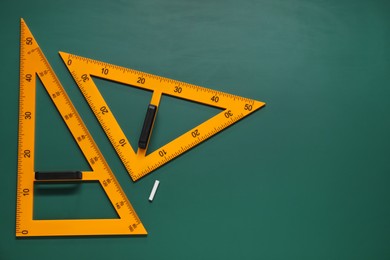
(32, 64)
(137, 163)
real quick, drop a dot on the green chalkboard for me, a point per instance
(306, 177)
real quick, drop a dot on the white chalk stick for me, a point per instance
(155, 186)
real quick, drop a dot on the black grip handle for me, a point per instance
(147, 127)
(45, 176)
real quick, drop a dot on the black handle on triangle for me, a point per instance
(47, 176)
(147, 127)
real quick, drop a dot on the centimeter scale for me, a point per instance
(138, 163)
(34, 64)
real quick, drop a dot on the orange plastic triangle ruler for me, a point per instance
(138, 163)
(33, 64)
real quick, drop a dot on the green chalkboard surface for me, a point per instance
(306, 177)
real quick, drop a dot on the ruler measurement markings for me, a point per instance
(64, 106)
(91, 97)
(231, 104)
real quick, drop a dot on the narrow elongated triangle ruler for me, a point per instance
(138, 163)
(33, 64)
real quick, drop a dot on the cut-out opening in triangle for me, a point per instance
(128, 104)
(175, 117)
(71, 200)
(55, 147)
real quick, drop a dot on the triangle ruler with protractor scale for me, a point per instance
(138, 163)
(34, 64)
